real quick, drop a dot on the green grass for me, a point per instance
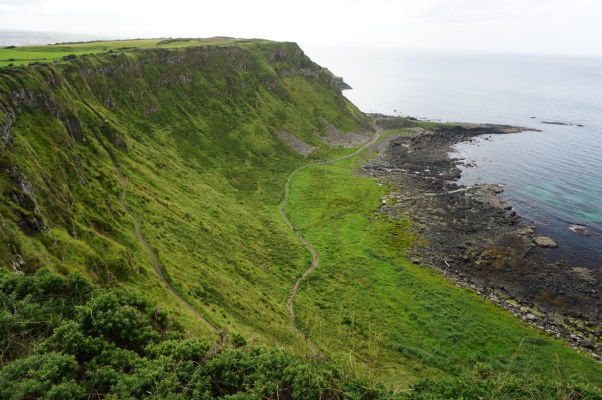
(27, 54)
(368, 300)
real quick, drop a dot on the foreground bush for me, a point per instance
(64, 338)
(88, 342)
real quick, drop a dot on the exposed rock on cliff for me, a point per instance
(296, 144)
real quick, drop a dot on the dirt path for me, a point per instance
(151, 253)
(138, 232)
(315, 258)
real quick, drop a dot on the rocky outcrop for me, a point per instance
(318, 74)
(545, 242)
(296, 144)
(24, 197)
(74, 128)
(453, 128)
(335, 137)
(32, 98)
(290, 60)
(11, 104)
(389, 122)
(340, 84)
(289, 51)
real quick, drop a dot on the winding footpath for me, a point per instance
(140, 237)
(315, 258)
(151, 253)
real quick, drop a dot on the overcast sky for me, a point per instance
(533, 26)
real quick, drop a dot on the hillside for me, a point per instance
(194, 134)
(158, 167)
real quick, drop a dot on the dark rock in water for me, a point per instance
(555, 123)
(581, 230)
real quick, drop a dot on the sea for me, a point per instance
(552, 177)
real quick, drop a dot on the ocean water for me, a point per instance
(552, 178)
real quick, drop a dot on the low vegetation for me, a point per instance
(368, 300)
(65, 338)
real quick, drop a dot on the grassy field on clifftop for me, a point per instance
(49, 53)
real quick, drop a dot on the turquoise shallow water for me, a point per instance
(553, 177)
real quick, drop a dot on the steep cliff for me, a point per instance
(189, 138)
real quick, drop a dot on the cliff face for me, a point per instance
(193, 131)
(39, 87)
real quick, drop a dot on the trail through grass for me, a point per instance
(314, 255)
(196, 139)
(195, 132)
(368, 302)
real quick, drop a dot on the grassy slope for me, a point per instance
(195, 140)
(368, 298)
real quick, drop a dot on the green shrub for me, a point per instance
(47, 376)
(237, 340)
(31, 306)
(120, 318)
(180, 350)
(85, 342)
(115, 343)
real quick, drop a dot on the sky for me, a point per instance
(572, 27)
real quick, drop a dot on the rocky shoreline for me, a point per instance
(475, 239)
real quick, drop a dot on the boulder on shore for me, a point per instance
(544, 241)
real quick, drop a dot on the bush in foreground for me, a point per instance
(89, 342)
(64, 338)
